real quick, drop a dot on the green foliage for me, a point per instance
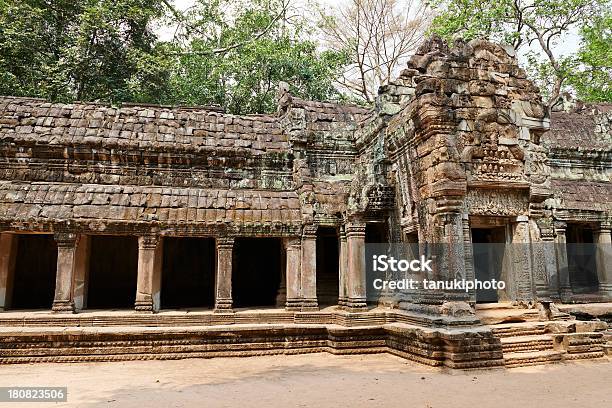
(231, 53)
(592, 77)
(89, 49)
(237, 63)
(541, 25)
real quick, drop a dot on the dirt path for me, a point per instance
(317, 380)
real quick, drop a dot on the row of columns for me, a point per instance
(603, 260)
(300, 271)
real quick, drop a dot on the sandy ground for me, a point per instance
(315, 380)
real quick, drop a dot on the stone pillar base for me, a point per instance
(342, 301)
(223, 305)
(606, 289)
(356, 305)
(310, 304)
(144, 306)
(565, 294)
(63, 306)
(293, 305)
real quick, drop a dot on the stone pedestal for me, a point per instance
(293, 251)
(8, 254)
(309, 268)
(67, 242)
(223, 281)
(604, 259)
(356, 282)
(149, 274)
(343, 268)
(565, 288)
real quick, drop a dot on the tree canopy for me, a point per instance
(227, 53)
(233, 53)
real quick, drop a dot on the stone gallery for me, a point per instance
(141, 232)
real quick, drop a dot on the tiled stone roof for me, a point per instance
(142, 127)
(583, 195)
(55, 201)
(587, 129)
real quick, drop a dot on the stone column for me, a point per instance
(149, 273)
(281, 294)
(81, 273)
(356, 282)
(470, 274)
(343, 268)
(565, 288)
(604, 259)
(308, 281)
(521, 259)
(293, 251)
(8, 256)
(67, 242)
(223, 281)
(550, 264)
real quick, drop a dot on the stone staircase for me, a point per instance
(527, 344)
(607, 347)
(533, 342)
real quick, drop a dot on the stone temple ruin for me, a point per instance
(124, 216)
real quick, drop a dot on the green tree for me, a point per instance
(88, 49)
(592, 76)
(236, 52)
(539, 24)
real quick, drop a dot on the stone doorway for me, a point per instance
(256, 272)
(328, 266)
(581, 258)
(488, 247)
(188, 273)
(113, 270)
(33, 285)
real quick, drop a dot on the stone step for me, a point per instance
(518, 329)
(490, 306)
(507, 316)
(527, 343)
(525, 358)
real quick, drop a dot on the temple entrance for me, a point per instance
(34, 274)
(328, 266)
(188, 273)
(113, 270)
(256, 271)
(581, 258)
(488, 250)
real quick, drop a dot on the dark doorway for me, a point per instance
(188, 273)
(35, 270)
(376, 233)
(581, 258)
(488, 250)
(256, 271)
(328, 266)
(113, 271)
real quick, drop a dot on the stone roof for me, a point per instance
(23, 201)
(587, 128)
(139, 127)
(583, 195)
